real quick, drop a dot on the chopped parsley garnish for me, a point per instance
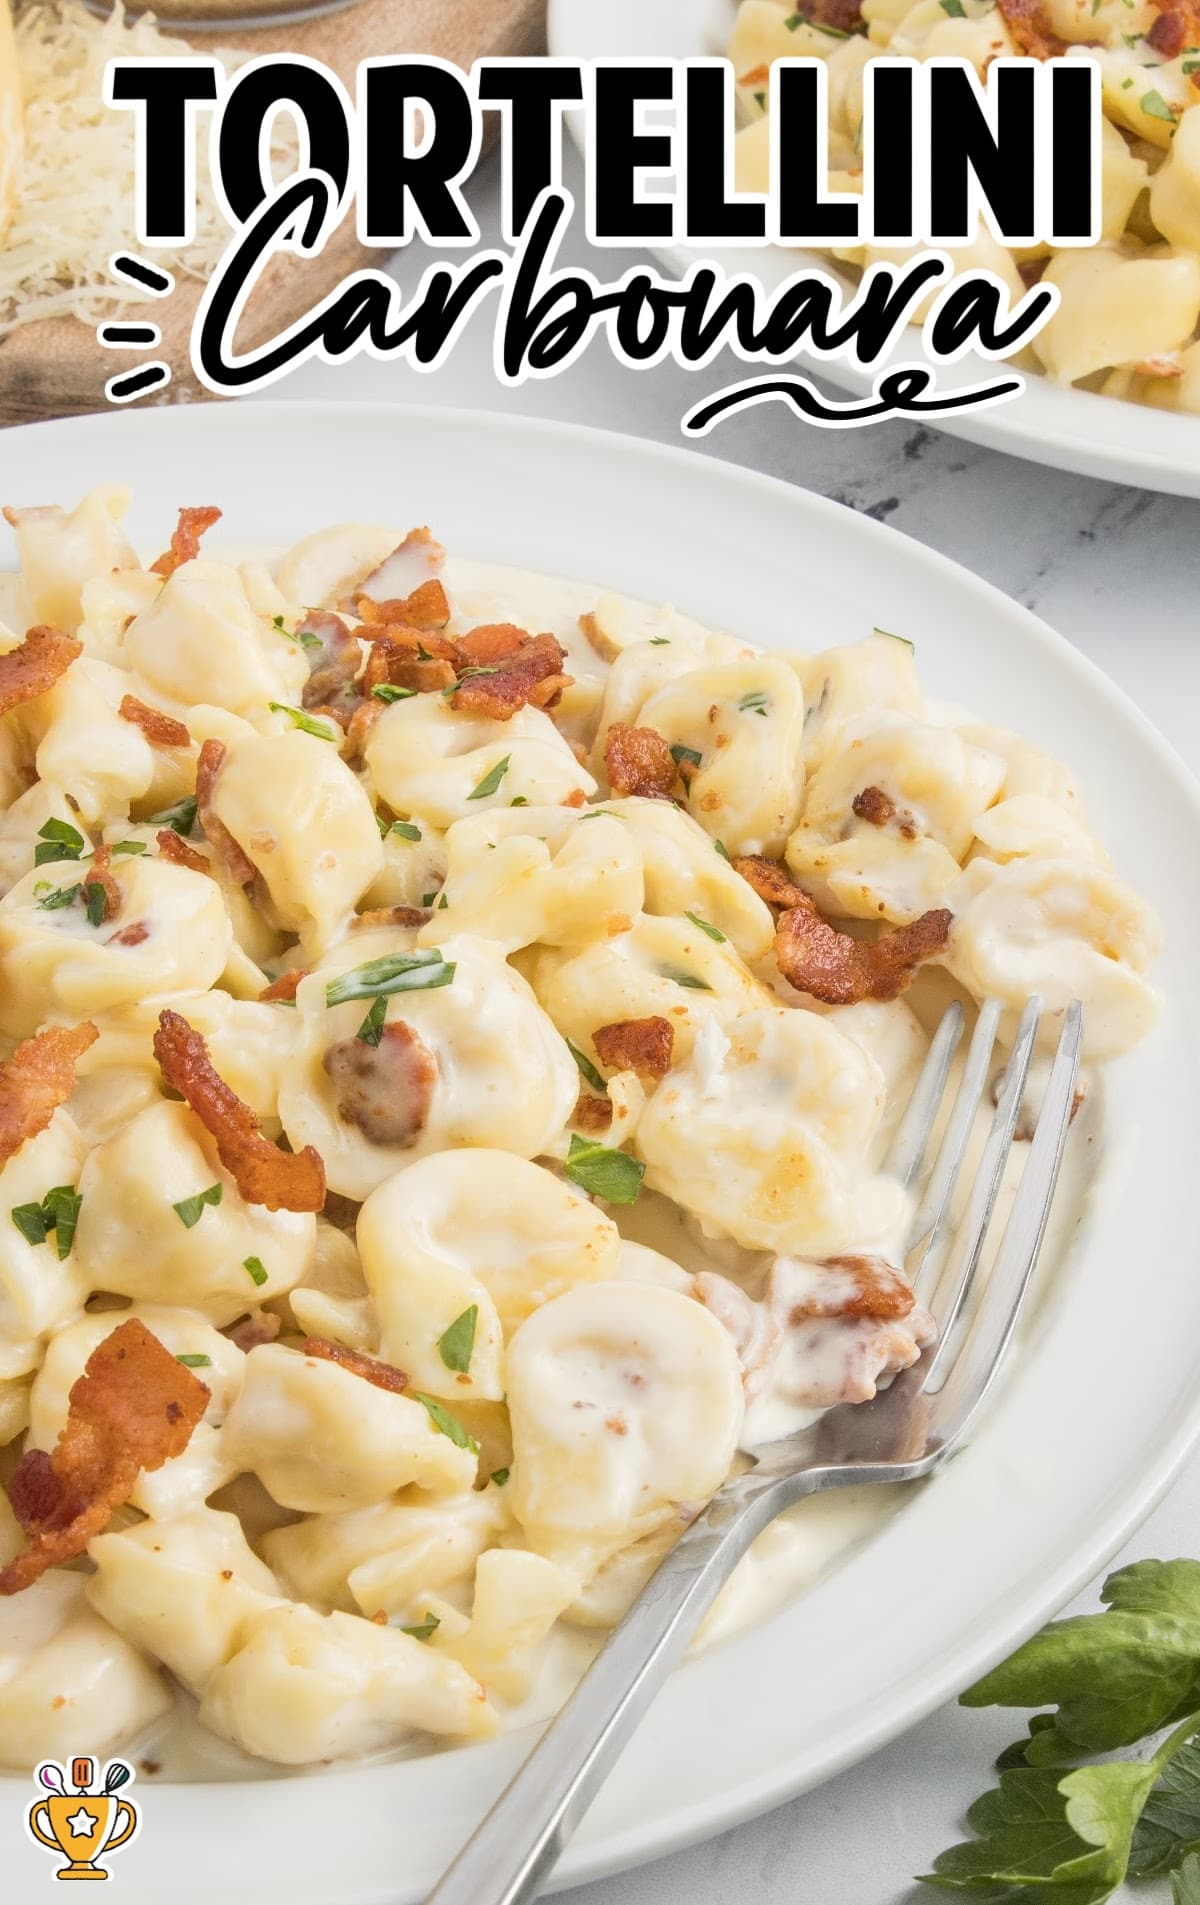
(180, 818)
(448, 1424)
(60, 1208)
(195, 1362)
(394, 972)
(128, 846)
(424, 1629)
(712, 931)
(680, 754)
(60, 896)
(405, 830)
(756, 703)
(720, 847)
(760, 100)
(255, 1269)
(1191, 66)
(59, 840)
(518, 800)
(491, 780)
(455, 1344)
(833, 32)
(94, 896)
(190, 1210)
(688, 979)
(442, 900)
(500, 1476)
(30, 1221)
(795, 20)
(306, 724)
(391, 691)
(302, 636)
(656, 641)
(371, 1029)
(902, 639)
(954, 8)
(593, 1077)
(1155, 107)
(606, 1173)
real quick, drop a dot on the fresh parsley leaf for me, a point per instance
(831, 32)
(1155, 1587)
(1155, 107)
(255, 1269)
(195, 1362)
(1185, 1884)
(61, 896)
(128, 846)
(424, 1629)
(30, 1220)
(94, 897)
(405, 829)
(680, 754)
(712, 931)
(455, 1344)
(795, 20)
(606, 1173)
(442, 1419)
(491, 780)
(390, 691)
(60, 1209)
(660, 641)
(756, 703)
(594, 1078)
(321, 730)
(442, 902)
(59, 841)
(720, 847)
(371, 1029)
(1169, 1828)
(954, 8)
(500, 1476)
(688, 979)
(181, 818)
(190, 1210)
(518, 800)
(760, 100)
(394, 972)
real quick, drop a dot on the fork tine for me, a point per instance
(983, 1353)
(907, 1151)
(973, 1226)
(930, 1218)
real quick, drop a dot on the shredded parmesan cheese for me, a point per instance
(75, 193)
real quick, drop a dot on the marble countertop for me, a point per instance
(1117, 571)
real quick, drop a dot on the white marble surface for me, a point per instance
(1115, 570)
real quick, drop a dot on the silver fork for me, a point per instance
(902, 1436)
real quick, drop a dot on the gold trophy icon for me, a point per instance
(82, 1824)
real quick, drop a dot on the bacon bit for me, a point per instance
(185, 541)
(412, 916)
(576, 798)
(874, 806)
(281, 1180)
(341, 716)
(1175, 28)
(877, 1288)
(332, 666)
(385, 1089)
(592, 1114)
(755, 76)
(98, 874)
(37, 1079)
(253, 1331)
(815, 958)
(522, 670)
(409, 659)
(770, 881)
(638, 761)
(427, 607)
(1028, 22)
(285, 986)
(238, 865)
(32, 668)
(843, 15)
(172, 847)
(131, 935)
(644, 1046)
(1159, 367)
(410, 565)
(133, 1408)
(370, 1368)
(361, 722)
(161, 730)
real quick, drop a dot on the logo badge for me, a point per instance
(81, 1824)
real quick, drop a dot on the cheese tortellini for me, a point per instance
(453, 1122)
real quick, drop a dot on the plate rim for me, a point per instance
(653, 1838)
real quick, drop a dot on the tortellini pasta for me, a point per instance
(423, 758)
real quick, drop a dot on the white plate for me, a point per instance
(1103, 1404)
(1050, 423)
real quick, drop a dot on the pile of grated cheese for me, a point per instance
(75, 190)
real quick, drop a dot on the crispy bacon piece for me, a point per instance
(281, 1180)
(98, 874)
(404, 573)
(253, 1331)
(428, 606)
(592, 1114)
(514, 670)
(874, 806)
(41, 660)
(756, 1331)
(770, 881)
(862, 1286)
(638, 761)
(843, 15)
(185, 540)
(361, 722)
(133, 1408)
(238, 865)
(815, 958)
(131, 935)
(407, 658)
(161, 730)
(172, 847)
(385, 1089)
(643, 1046)
(1177, 26)
(370, 1368)
(412, 916)
(333, 665)
(1028, 22)
(285, 986)
(37, 1079)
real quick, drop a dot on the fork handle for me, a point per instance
(510, 1854)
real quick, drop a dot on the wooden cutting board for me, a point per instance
(55, 368)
